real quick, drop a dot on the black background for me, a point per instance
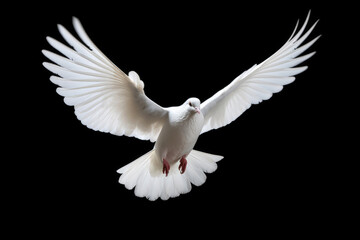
(277, 172)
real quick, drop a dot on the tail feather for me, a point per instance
(137, 174)
(132, 171)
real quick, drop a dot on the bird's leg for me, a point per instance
(166, 167)
(182, 166)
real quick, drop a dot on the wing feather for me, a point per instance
(104, 97)
(260, 82)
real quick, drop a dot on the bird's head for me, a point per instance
(193, 105)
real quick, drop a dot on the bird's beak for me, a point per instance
(197, 110)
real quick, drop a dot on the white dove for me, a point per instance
(107, 100)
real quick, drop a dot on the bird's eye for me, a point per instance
(190, 104)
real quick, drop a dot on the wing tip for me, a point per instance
(44, 51)
(75, 19)
(46, 65)
(76, 23)
(63, 31)
(312, 54)
(309, 13)
(53, 79)
(60, 27)
(49, 39)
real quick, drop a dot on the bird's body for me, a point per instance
(179, 133)
(106, 99)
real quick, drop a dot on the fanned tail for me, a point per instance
(137, 174)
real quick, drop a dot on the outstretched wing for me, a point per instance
(259, 82)
(104, 97)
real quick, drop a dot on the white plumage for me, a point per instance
(108, 100)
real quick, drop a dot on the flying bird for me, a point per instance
(106, 99)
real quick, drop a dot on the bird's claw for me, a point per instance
(182, 166)
(166, 167)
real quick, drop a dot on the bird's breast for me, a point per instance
(178, 138)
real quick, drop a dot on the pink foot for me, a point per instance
(166, 167)
(182, 166)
